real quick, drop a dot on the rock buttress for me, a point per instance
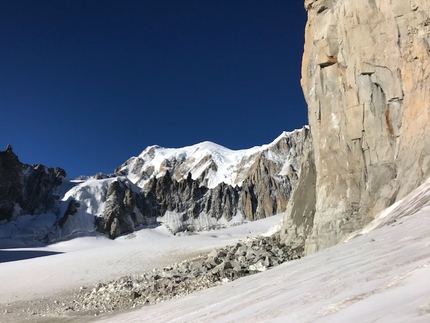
(366, 79)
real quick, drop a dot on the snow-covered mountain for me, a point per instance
(198, 187)
(211, 164)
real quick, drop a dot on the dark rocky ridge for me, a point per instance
(26, 189)
(127, 207)
(120, 210)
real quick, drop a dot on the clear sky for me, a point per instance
(85, 85)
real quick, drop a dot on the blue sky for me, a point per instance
(87, 84)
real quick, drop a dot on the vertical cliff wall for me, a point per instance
(365, 77)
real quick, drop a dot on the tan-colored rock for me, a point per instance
(298, 224)
(365, 76)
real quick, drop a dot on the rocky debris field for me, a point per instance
(180, 279)
(219, 266)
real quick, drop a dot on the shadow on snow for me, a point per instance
(15, 255)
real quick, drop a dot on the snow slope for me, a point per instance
(381, 276)
(87, 260)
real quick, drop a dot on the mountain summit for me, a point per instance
(211, 164)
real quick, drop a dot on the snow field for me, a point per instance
(88, 260)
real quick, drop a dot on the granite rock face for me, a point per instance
(366, 79)
(299, 215)
(26, 189)
(123, 209)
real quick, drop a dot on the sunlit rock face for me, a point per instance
(365, 76)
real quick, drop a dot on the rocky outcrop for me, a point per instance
(26, 189)
(10, 183)
(190, 207)
(123, 210)
(366, 79)
(264, 191)
(299, 215)
(113, 206)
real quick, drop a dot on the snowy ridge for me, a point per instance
(207, 162)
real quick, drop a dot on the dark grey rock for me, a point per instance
(30, 189)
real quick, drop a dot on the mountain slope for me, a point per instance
(204, 186)
(210, 164)
(381, 275)
(194, 188)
